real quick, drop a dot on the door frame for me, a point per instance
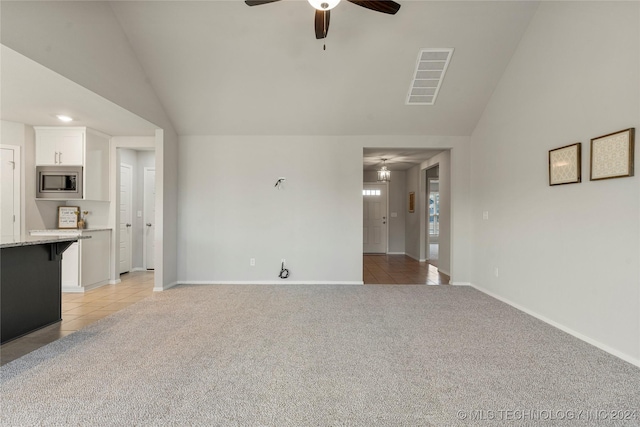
(386, 184)
(144, 216)
(17, 186)
(130, 167)
(426, 212)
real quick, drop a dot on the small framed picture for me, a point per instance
(68, 216)
(565, 165)
(612, 155)
(412, 202)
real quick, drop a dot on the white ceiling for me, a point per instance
(222, 67)
(33, 94)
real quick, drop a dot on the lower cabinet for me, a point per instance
(85, 265)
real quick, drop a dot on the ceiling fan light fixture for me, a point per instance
(384, 174)
(323, 4)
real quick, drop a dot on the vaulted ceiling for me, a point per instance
(221, 67)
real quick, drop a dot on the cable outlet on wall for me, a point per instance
(496, 272)
(252, 262)
(284, 261)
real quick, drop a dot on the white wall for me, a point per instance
(397, 204)
(230, 212)
(569, 254)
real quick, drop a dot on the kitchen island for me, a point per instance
(30, 283)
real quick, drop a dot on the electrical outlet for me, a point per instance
(485, 215)
(496, 272)
(252, 262)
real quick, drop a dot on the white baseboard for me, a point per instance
(462, 284)
(138, 269)
(563, 328)
(83, 289)
(266, 282)
(445, 272)
(417, 258)
(396, 253)
(114, 282)
(164, 288)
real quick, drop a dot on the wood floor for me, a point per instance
(80, 310)
(400, 270)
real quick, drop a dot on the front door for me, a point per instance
(374, 222)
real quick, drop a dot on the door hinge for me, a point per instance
(14, 218)
(13, 164)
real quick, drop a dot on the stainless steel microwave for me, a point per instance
(59, 182)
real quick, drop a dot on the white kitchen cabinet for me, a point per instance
(77, 146)
(85, 264)
(59, 146)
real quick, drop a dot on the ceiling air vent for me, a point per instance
(430, 69)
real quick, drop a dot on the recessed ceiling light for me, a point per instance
(64, 118)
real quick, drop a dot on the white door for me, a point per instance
(10, 191)
(374, 209)
(125, 217)
(149, 217)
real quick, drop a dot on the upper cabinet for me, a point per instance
(60, 146)
(77, 146)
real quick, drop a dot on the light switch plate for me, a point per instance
(394, 214)
(139, 214)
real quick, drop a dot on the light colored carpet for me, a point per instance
(317, 356)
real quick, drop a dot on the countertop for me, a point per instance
(66, 231)
(15, 241)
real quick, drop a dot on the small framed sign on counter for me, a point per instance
(68, 216)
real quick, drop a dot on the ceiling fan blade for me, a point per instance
(322, 23)
(259, 2)
(384, 6)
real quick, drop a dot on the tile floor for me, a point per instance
(400, 270)
(80, 310)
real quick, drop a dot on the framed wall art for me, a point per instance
(612, 155)
(412, 202)
(565, 164)
(68, 216)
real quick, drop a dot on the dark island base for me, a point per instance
(30, 288)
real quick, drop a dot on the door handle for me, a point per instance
(149, 224)
(128, 225)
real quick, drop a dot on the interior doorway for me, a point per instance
(135, 210)
(125, 203)
(149, 200)
(433, 215)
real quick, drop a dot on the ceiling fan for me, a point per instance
(323, 10)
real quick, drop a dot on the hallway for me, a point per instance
(400, 270)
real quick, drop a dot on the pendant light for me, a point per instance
(384, 174)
